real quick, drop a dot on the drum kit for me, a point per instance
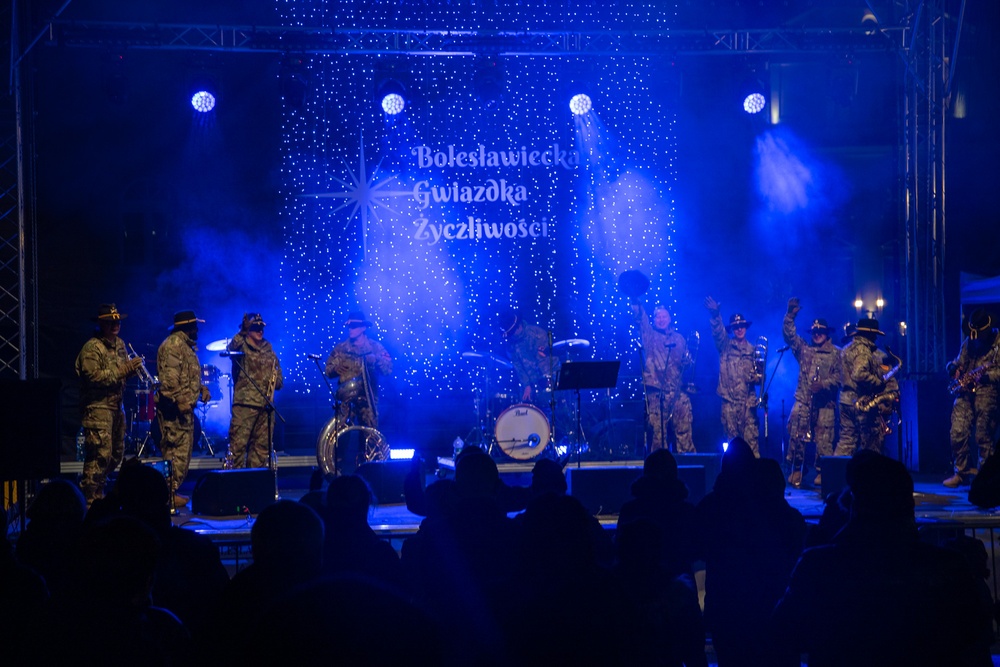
(523, 431)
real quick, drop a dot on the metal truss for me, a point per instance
(361, 41)
(929, 52)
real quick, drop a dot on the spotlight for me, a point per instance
(203, 101)
(859, 304)
(580, 104)
(391, 95)
(869, 22)
(754, 103)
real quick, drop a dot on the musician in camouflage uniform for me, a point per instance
(529, 351)
(257, 375)
(738, 376)
(975, 376)
(352, 360)
(180, 389)
(103, 367)
(862, 380)
(665, 357)
(814, 414)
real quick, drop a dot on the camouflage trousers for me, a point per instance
(250, 437)
(357, 413)
(859, 430)
(104, 447)
(740, 420)
(176, 440)
(970, 412)
(819, 424)
(664, 410)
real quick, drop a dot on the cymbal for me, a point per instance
(572, 344)
(486, 357)
(217, 345)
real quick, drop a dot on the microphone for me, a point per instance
(785, 348)
(313, 356)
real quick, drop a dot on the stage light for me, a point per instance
(879, 303)
(580, 104)
(754, 103)
(401, 454)
(203, 101)
(391, 96)
(725, 447)
(859, 304)
(869, 22)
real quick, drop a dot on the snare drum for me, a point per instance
(210, 377)
(522, 431)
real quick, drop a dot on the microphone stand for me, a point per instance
(765, 389)
(272, 460)
(333, 406)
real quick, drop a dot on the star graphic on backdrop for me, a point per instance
(366, 193)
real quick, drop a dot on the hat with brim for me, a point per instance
(979, 323)
(107, 312)
(819, 325)
(869, 325)
(184, 318)
(356, 317)
(508, 321)
(737, 321)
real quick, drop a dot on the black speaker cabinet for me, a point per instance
(227, 492)
(711, 463)
(834, 471)
(29, 431)
(604, 490)
(386, 480)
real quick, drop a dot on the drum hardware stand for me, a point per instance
(204, 436)
(577, 375)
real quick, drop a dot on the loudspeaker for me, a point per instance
(386, 480)
(227, 492)
(711, 464)
(29, 432)
(834, 472)
(602, 490)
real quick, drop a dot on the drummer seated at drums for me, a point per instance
(529, 351)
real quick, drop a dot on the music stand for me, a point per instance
(577, 375)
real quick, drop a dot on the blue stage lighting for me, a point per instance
(754, 103)
(580, 104)
(404, 454)
(393, 103)
(203, 101)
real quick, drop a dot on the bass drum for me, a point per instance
(522, 431)
(341, 449)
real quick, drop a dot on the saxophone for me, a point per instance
(968, 381)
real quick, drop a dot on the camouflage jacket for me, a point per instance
(815, 361)
(967, 360)
(737, 378)
(102, 372)
(259, 363)
(862, 372)
(178, 369)
(529, 354)
(666, 355)
(346, 359)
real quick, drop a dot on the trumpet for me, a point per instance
(760, 368)
(144, 375)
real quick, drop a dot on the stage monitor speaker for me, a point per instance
(386, 480)
(29, 433)
(227, 492)
(834, 472)
(711, 463)
(604, 490)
